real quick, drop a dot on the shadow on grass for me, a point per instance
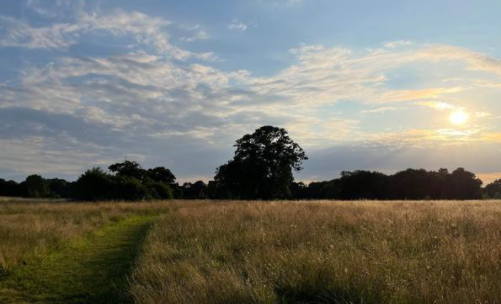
(93, 270)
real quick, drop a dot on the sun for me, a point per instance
(458, 117)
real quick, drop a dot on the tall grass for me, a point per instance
(323, 252)
(30, 228)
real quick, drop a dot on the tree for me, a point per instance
(160, 191)
(35, 186)
(161, 175)
(128, 169)
(464, 185)
(299, 190)
(196, 190)
(262, 167)
(9, 188)
(59, 188)
(93, 185)
(493, 190)
(129, 189)
(411, 184)
(361, 184)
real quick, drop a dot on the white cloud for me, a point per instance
(398, 43)
(146, 30)
(18, 33)
(200, 35)
(380, 110)
(327, 75)
(236, 25)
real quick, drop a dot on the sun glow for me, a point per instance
(458, 117)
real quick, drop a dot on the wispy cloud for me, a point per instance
(144, 29)
(380, 110)
(200, 35)
(237, 25)
(327, 75)
(436, 105)
(398, 43)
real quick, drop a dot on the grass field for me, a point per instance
(251, 252)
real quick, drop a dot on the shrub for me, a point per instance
(160, 191)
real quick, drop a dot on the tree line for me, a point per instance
(126, 181)
(262, 168)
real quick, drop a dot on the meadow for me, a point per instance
(252, 252)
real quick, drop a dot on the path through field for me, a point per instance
(93, 270)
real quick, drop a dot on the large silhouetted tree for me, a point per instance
(262, 167)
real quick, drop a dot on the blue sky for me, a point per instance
(358, 84)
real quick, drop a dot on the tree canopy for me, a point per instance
(262, 167)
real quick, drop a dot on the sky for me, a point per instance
(378, 85)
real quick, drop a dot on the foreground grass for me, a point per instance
(31, 229)
(60, 252)
(93, 270)
(332, 252)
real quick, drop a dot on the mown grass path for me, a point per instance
(93, 270)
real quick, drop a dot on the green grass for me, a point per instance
(90, 270)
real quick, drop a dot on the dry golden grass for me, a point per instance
(323, 252)
(30, 228)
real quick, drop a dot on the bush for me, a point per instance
(160, 191)
(130, 189)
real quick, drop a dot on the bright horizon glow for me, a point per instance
(459, 117)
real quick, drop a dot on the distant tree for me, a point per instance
(363, 185)
(9, 188)
(161, 175)
(35, 186)
(438, 184)
(160, 191)
(262, 166)
(493, 190)
(129, 189)
(410, 184)
(197, 190)
(128, 169)
(212, 191)
(93, 185)
(464, 185)
(59, 188)
(332, 189)
(299, 190)
(128, 181)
